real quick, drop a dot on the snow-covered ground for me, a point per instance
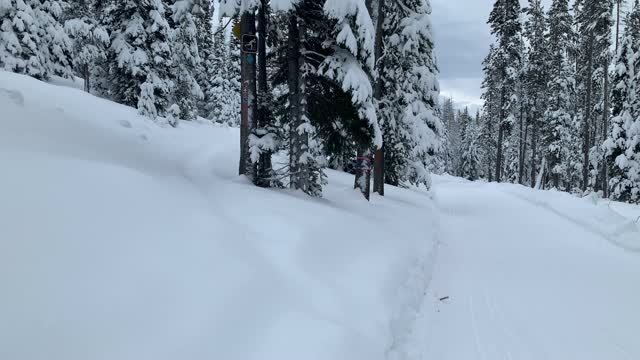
(121, 239)
(531, 275)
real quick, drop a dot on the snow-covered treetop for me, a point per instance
(342, 10)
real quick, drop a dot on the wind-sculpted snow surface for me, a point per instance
(123, 240)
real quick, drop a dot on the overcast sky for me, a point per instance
(462, 42)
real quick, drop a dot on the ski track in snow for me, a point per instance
(527, 281)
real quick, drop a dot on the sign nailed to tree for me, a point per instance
(249, 44)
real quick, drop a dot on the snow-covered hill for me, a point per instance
(124, 240)
(121, 240)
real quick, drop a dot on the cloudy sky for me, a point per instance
(463, 40)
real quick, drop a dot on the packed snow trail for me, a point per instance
(518, 281)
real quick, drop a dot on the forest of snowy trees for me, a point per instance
(352, 85)
(336, 81)
(561, 100)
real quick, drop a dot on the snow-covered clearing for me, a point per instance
(123, 240)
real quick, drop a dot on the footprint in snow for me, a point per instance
(125, 124)
(13, 95)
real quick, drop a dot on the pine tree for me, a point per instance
(470, 168)
(139, 60)
(505, 25)
(594, 21)
(211, 64)
(622, 143)
(89, 39)
(32, 38)
(233, 84)
(559, 136)
(450, 135)
(535, 79)
(186, 57)
(413, 129)
(351, 64)
(491, 112)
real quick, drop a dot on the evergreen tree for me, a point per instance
(89, 39)
(559, 137)
(622, 143)
(413, 130)
(505, 25)
(470, 168)
(450, 135)
(211, 64)
(32, 38)
(535, 81)
(139, 60)
(594, 22)
(186, 56)
(491, 112)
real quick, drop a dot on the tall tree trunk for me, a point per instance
(522, 154)
(87, 78)
(249, 120)
(619, 3)
(605, 128)
(264, 164)
(526, 138)
(534, 149)
(586, 126)
(378, 175)
(501, 130)
(293, 78)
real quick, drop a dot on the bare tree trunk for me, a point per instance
(534, 143)
(619, 3)
(522, 154)
(586, 126)
(501, 130)
(264, 165)
(526, 138)
(378, 175)
(605, 128)
(249, 99)
(534, 151)
(87, 78)
(293, 61)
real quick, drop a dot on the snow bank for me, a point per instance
(120, 239)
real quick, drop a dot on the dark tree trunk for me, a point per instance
(534, 151)
(526, 142)
(264, 164)
(586, 126)
(293, 66)
(87, 78)
(534, 142)
(249, 118)
(522, 154)
(378, 175)
(605, 129)
(501, 130)
(619, 2)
